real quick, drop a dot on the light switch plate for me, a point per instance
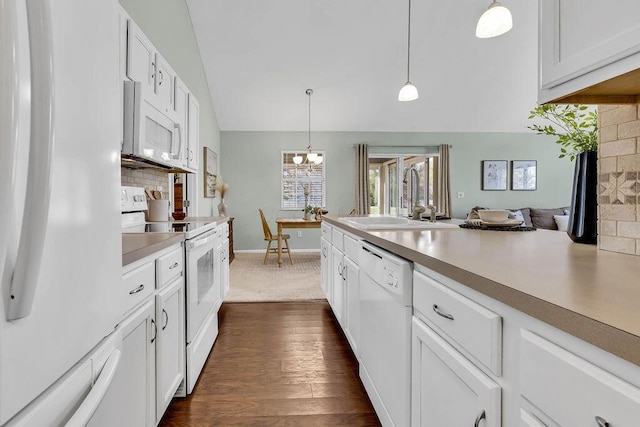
(460, 194)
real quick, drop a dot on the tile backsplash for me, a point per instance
(147, 178)
(619, 178)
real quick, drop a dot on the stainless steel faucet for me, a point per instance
(413, 198)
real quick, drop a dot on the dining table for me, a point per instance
(293, 223)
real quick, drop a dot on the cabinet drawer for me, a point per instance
(528, 420)
(351, 247)
(169, 266)
(337, 239)
(572, 391)
(138, 284)
(475, 328)
(326, 231)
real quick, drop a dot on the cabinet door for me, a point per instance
(165, 84)
(224, 268)
(130, 400)
(170, 350)
(181, 106)
(141, 57)
(447, 389)
(193, 133)
(338, 300)
(571, 47)
(325, 268)
(352, 306)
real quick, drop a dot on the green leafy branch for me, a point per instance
(574, 125)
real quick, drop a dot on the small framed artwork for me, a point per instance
(494, 175)
(210, 172)
(524, 175)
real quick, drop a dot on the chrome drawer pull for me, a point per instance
(478, 418)
(175, 264)
(166, 322)
(136, 290)
(155, 330)
(439, 313)
(602, 422)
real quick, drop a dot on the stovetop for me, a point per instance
(191, 229)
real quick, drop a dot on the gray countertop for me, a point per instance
(589, 293)
(136, 246)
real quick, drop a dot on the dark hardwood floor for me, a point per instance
(276, 364)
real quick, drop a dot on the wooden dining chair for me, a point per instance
(270, 238)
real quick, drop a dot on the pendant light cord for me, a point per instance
(408, 40)
(309, 92)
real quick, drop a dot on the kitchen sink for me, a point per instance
(393, 223)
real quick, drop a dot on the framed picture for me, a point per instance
(524, 175)
(210, 172)
(494, 175)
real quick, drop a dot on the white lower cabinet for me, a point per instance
(352, 305)
(447, 389)
(325, 267)
(338, 282)
(131, 399)
(571, 391)
(170, 351)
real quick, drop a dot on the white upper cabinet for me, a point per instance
(182, 110)
(146, 65)
(584, 45)
(141, 57)
(193, 133)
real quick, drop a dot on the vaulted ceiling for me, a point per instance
(260, 56)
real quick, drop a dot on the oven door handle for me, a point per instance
(196, 243)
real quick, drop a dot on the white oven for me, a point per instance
(150, 134)
(203, 297)
(200, 274)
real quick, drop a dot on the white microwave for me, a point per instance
(150, 135)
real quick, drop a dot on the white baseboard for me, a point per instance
(257, 251)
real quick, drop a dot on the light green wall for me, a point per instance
(250, 163)
(167, 24)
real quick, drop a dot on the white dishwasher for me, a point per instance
(386, 286)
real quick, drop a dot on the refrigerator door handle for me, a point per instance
(88, 407)
(38, 191)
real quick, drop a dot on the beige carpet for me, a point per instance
(251, 281)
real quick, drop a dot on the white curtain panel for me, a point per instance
(444, 181)
(362, 179)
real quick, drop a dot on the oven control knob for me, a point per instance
(390, 278)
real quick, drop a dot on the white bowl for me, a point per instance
(493, 215)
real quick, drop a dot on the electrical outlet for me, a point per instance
(299, 233)
(460, 194)
(159, 188)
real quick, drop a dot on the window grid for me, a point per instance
(295, 179)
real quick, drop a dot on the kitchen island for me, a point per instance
(588, 293)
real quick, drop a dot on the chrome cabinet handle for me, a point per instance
(480, 416)
(161, 77)
(175, 264)
(602, 422)
(340, 269)
(166, 317)
(343, 273)
(439, 313)
(155, 330)
(324, 251)
(136, 290)
(153, 73)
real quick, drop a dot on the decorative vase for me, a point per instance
(222, 208)
(583, 217)
(307, 216)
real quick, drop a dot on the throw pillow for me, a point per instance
(543, 218)
(562, 221)
(517, 215)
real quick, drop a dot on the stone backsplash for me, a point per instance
(150, 179)
(619, 178)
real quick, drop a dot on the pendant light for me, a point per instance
(495, 21)
(312, 157)
(408, 92)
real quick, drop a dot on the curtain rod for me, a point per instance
(402, 146)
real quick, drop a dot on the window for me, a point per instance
(296, 180)
(387, 189)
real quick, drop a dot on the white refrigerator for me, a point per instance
(60, 243)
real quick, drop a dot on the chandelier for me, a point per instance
(312, 158)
